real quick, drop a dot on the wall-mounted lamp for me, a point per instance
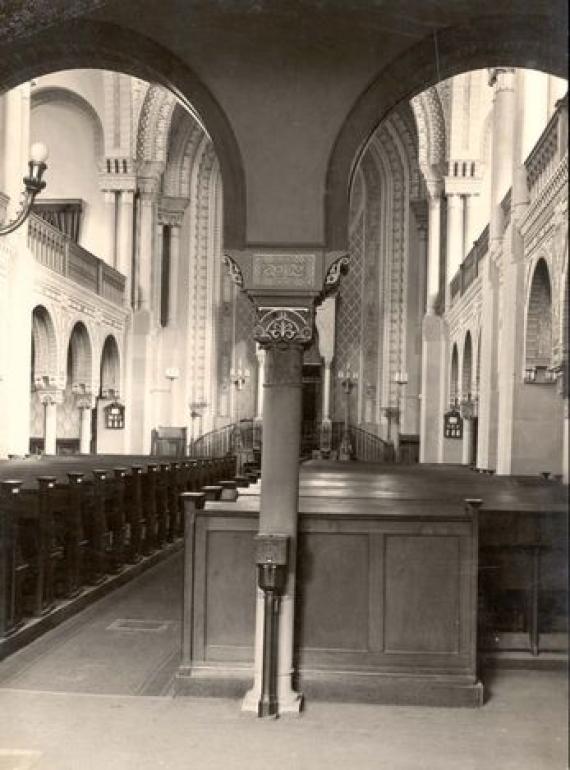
(33, 184)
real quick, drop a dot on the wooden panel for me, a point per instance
(230, 589)
(332, 591)
(421, 599)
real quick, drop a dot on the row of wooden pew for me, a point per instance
(59, 536)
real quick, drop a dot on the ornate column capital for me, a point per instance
(283, 326)
(49, 397)
(171, 210)
(501, 78)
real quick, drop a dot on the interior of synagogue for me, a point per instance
(284, 368)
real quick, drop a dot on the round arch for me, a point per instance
(538, 331)
(467, 366)
(50, 94)
(80, 357)
(100, 45)
(110, 368)
(533, 42)
(454, 377)
(44, 347)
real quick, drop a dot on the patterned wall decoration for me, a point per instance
(349, 304)
(244, 347)
(371, 323)
(371, 319)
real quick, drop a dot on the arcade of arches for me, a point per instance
(353, 254)
(120, 289)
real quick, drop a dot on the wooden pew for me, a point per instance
(63, 532)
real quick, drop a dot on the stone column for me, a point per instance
(454, 241)
(433, 258)
(146, 247)
(158, 252)
(110, 204)
(50, 400)
(512, 296)
(85, 405)
(125, 239)
(467, 439)
(556, 89)
(469, 202)
(174, 273)
(433, 343)
(280, 333)
(502, 80)
(501, 177)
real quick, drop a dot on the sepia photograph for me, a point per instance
(284, 385)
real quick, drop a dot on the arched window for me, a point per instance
(538, 350)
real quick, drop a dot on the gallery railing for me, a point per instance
(58, 252)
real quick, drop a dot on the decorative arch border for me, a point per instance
(82, 376)
(54, 94)
(531, 41)
(115, 385)
(532, 269)
(89, 44)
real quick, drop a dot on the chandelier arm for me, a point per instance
(23, 213)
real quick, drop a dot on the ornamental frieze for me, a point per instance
(277, 271)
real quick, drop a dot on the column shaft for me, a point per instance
(85, 431)
(469, 236)
(174, 273)
(50, 427)
(433, 253)
(502, 154)
(110, 199)
(125, 240)
(455, 243)
(145, 251)
(279, 504)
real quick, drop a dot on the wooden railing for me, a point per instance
(224, 441)
(469, 268)
(55, 250)
(366, 446)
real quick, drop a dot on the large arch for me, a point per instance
(531, 41)
(100, 45)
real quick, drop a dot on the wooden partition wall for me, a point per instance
(386, 606)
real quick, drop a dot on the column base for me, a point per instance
(289, 701)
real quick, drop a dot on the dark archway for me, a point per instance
(532, 42)
(94, 45)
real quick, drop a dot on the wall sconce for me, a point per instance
(539, 375)
(529, 375)
(33, 184)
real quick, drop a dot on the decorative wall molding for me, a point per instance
(234, 271)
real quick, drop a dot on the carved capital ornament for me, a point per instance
(284, 325)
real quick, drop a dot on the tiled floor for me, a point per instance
(93, 695)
